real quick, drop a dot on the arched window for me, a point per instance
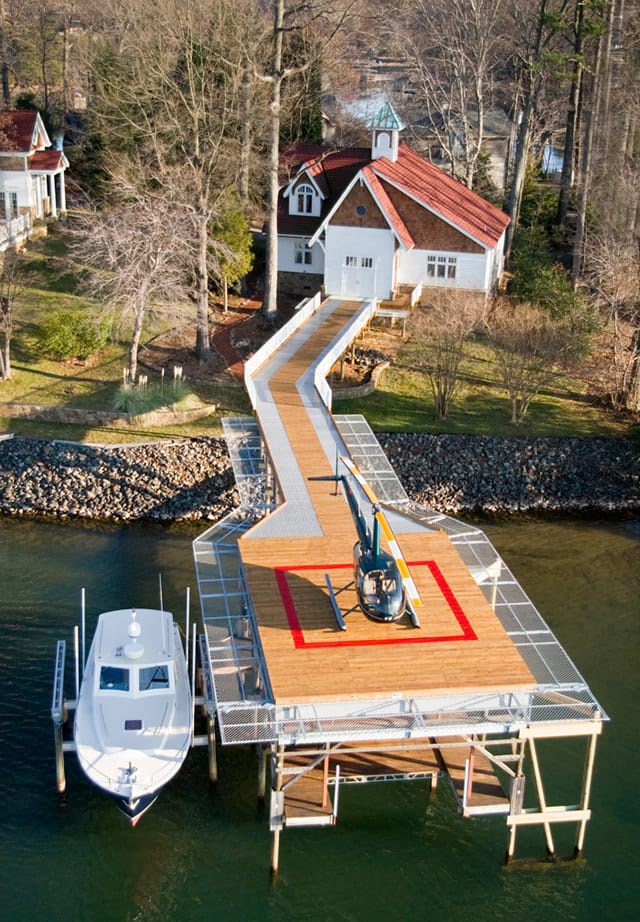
(304, 199)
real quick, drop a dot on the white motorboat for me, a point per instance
(134, 716)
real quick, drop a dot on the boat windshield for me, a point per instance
(152, 677)
(114, 678)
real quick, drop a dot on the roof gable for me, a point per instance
(22, 131)
(445, 196)
(335, 171)
(48, 161)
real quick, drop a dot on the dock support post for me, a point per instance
(541, 797)
(263, 757)
(211, 740)
(61, 781)
(275, 841)
(521, 745)
(275, 851)
(586, 793)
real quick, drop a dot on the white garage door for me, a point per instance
(358, 277)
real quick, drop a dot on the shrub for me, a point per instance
(71, 334)
(137, 400)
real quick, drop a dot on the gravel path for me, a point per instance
(187, 480)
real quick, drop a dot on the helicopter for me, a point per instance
(384, 587)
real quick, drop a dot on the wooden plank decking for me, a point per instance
(460, 646)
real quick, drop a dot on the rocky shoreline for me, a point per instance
(192, 480)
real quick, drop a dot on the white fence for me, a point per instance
(301, 314)
(14, 231)
(337, 347)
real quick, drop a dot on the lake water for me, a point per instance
(202, 852)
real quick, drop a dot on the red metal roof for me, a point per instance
(443, 195)
(17, 127)
(47, 161)
(334, 170)
(389, 208)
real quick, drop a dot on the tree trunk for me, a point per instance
(632, 396)
(532, 85)
(567, 178)
(270, 302)
(134, 345)
(585, 166)
(6, 91)
(245, 136)
(203, 347)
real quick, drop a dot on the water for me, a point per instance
(203, 852)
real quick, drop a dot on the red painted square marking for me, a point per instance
(297, 633)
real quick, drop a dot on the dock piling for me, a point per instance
(211, 739)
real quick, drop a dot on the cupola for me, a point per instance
(385, 127)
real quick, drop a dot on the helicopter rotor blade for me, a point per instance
(394, 547)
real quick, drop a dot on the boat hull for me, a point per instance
(134, 809)
(134, 719)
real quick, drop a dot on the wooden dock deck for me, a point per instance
(453, 695)
(460, 646)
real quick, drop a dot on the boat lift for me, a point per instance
(61, 706)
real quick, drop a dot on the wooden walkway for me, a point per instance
(308, 796)
(460, 647)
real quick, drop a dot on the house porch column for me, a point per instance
(63, 195)
(51, 180)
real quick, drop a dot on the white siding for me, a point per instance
(13, 181)
(471, 269)
(495, 265)
(361, 245)
(287, 256)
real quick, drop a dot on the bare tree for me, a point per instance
(451, 47)
(10, 286)
(614, 278)
(528, 345)
(132, 261)
(443, 327)
(537, 28)
(319, 23)
(171, 91)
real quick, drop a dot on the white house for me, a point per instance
(362, 222)
(31, 175)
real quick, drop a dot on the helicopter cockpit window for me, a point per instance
(378, 583)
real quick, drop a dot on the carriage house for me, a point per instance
(364, 223)
(31, 176)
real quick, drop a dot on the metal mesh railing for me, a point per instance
(246, 712)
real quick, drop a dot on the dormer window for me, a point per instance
(304, 199)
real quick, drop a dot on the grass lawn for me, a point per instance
(402, 403)
(50, 284)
